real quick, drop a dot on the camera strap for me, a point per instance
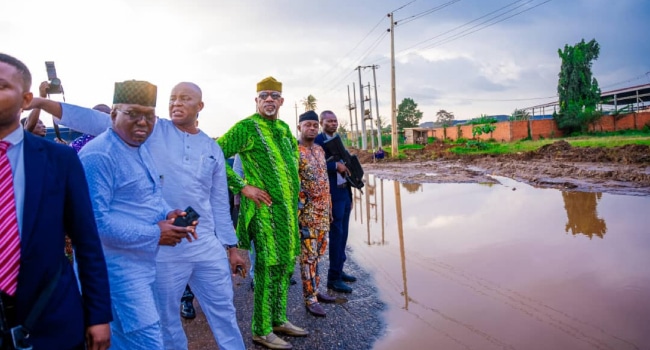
(20, 333)
(42, 300)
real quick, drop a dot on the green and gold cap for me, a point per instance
(135, 92)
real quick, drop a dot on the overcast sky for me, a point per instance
(456, 58)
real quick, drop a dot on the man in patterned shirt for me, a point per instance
(268, 209)
(314, 212)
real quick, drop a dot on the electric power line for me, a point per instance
(463, 25)
(403, 6)
(352, 50)
(444, 41)
(638, 77)
(499, 100)
(366, 54)
(424, 13)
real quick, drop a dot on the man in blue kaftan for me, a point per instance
(132, 217)
(192, 172)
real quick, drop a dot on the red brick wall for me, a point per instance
(519, 130)
(642, 119)
(605, 123)
(547, 128)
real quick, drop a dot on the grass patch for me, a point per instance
(526, 145)
(410, 146)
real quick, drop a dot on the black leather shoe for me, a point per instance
(325, 298)
(348, 278)
(339, 286)
(187, 310)
(316, 309)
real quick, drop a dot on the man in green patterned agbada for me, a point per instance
(268, 209)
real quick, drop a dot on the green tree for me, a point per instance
(444, 118)
(483, 125)
(309, 102)
(520, 114)
(408, 114)
(577, 89)
(343, 128)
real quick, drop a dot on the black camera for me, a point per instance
(187, 220)
(55, 83)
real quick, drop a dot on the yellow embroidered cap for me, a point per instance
(269, 83)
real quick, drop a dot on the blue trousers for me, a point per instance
(338, 236)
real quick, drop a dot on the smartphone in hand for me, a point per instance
(187, 220)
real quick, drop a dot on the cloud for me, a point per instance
(314, 48)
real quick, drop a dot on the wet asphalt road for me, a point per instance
(353, 322)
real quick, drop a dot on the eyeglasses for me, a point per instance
(265, 95)
(134, 116)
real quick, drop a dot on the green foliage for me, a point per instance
(477, 144)
(408, 114)
(610, 140)
(444, 118)
(577, 89)
(520, 114)
(431, 139)
(482, 125)
(461, 140)
(410, 146)
(483, 119)
(309, 102)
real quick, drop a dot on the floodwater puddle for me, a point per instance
(505, 266)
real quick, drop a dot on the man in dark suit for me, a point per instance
(49, 196)
(341, 206)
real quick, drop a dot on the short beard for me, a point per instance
(270, 114)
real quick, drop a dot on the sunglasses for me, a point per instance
(265, 95)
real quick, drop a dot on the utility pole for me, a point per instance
(393, 109)
(350, 108)
(372, 132)
(374, 77)
(356, 115)
(297, 132)
(364, 146)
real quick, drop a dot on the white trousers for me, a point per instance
(143, 339)
(211, 283)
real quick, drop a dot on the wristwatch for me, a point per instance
(228, 246)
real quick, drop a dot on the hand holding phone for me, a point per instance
(188, 219)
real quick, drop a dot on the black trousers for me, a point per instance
(8, 318)
(9, 308)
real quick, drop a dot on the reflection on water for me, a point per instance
(582, 214)
(465, 266)
(412, 188)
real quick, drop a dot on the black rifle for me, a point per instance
(337, 153)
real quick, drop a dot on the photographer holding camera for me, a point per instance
(33, 123)
(43, 192)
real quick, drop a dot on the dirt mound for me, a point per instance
(555, 147)
(622, 170)
(563, 151)
(558, 151)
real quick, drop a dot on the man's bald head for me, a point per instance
(185, 103)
